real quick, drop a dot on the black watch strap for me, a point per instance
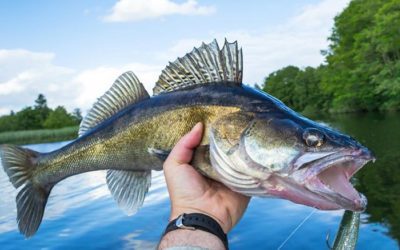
(198, 221)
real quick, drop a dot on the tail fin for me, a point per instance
(19, 164)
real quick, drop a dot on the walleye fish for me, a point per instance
(252, 142)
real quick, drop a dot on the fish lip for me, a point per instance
(362, 156)
(355, 158)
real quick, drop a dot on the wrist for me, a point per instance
(191, 239)
(223, 220)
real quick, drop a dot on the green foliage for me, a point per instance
(28, 118)
(38, 117)
(59, 118)
(299, 89)
(8, 122)
(41, 109)
(41, 101)
(282, 83)
(362, 71)
(77, 115)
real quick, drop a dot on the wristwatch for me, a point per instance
(198, 221)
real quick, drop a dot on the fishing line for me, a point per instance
(297, 228)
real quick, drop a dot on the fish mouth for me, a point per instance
(329, 178)
(316, 179)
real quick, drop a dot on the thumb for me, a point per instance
(183, 150)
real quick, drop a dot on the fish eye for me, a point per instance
(313, 137)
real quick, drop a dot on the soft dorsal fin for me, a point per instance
(203, 65)
(127, 89)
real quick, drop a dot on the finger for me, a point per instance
(183, 150)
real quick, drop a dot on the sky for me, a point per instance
(72, 51)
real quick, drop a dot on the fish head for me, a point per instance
(290, 157)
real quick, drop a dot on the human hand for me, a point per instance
(190, 192)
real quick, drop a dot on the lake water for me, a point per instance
(81, 214)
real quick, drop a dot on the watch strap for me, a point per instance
(199, 221)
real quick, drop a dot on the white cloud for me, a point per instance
(135, 10)
(25, 74)
(12, 86)
(296, 42)
(95, 82)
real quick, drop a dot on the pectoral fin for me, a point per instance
(159, 153)
(129, 188)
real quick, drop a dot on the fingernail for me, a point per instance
(197, 126)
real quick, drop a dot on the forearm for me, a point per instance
(190, 239)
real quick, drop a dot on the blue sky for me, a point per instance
(73, 50)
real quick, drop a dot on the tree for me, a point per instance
(384, 38)
(308, 92)
(41, 102)
(28, 118)
(39, 116)
(362, 70)
(297, 88)
(8, 123)
(77, 115)
(363, 60)
(59, 118)
(281, 84)
(41, 109)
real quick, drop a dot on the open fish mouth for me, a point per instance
(316, 179)
(329, 178)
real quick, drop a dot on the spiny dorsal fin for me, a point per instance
(203, 65)
(127, 89)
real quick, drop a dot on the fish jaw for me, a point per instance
(324, 187)
(320, 180)
(281, 187)
(326, 181)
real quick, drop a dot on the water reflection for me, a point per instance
(67, 195)
(134, 241)
(380, 182)
(81, 213)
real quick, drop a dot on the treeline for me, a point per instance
(362, 68)
(39, 116)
